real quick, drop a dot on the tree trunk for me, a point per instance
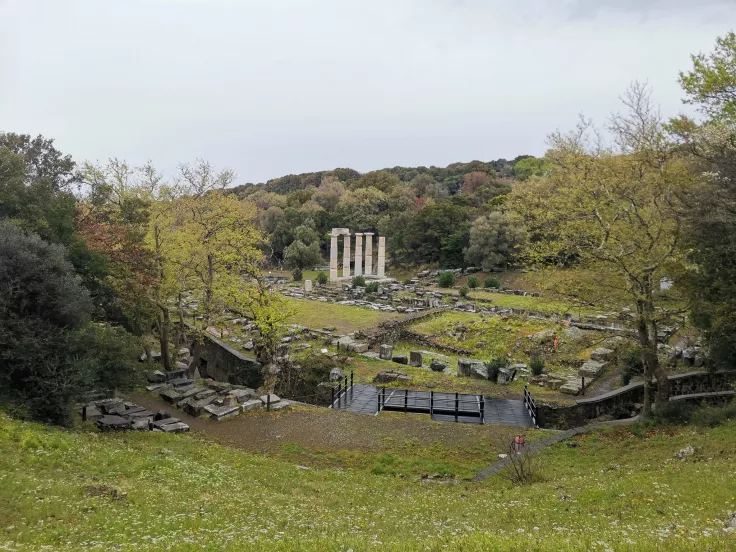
(643, 337)
(163, 337)
(196, 356)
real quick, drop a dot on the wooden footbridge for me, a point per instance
(442, 407)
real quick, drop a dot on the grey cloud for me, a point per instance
(590, 8)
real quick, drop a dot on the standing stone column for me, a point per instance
(346, 256)
(358, 254)
(333, 257)
(368, 253)
(381, 257)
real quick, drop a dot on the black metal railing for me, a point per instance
(342, 391)
(398, 401)
(530, 405)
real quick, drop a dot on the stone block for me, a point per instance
(181, 382)
(177, 427)
(360, 347)
(281, 405)
(157, 387)
(166, 421)
(308, 286)
(386, 352)
(591, 369)
(219, 413)
(400, 359)
(415, 359)
(204, 394)
(437, 365)
(170, 395)
(157, 376)
(111, 422)
(601, 354)
(336, 374)
(274, 398)
(387, 376)
(572, 386)
(112, 406)
(463, 367)
(92, 412)
(253, 404)
(478, 370)
(176, 374)
(242, 395)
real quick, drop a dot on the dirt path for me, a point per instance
(329, 430)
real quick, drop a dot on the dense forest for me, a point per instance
(427, 214)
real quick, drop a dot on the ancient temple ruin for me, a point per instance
(363, 258)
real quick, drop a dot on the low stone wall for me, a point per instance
(223, 363)
(391, 331)
(622, 402)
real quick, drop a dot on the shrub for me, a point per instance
(536, 365)
(473, 282)
(322, 278)
(492, 282)
(629, 363)
(494, 366)
(372, 287)
(297, 274)
(359, 281)
(407, 282)
(464, 291)
(447, 279)
(522, 466)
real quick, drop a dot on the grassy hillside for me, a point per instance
(141, 491)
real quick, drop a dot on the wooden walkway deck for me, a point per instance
(442, 407)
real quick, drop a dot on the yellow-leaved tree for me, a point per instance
(616, 208)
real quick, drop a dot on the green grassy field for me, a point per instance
(77, 490)
(347, 318)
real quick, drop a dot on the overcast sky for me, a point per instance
(272, 87)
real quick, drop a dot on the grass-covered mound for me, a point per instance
(141, 491)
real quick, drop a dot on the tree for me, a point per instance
(438, 233)
(329, 193)
(363, 207)
(49, 357)
(474, 180)
(35, 181)
(380, 180)
(529, 167)
(496, 239)
(616, 207)
(214, 249)
(711, 85)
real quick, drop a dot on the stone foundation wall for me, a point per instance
(625, 401)
(223, 363)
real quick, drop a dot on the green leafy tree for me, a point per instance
(529, 167)
(496, 239)
(49, 356)
(711, 86)
(618, 210)
(304, 251)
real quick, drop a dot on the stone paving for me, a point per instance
(365, 399)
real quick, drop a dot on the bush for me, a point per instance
(359, 281)
(629, 363)
(464, 291)
(494, 366)
(522, 467)
(322, 278)
(473, 282)
(536, 365)
(372, 287)
(447, 279)
(492, 282)
(407, 282)
(297, 274)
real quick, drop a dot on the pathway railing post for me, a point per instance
(406, 399)
(332, 401)
(482, 409)
(583, 385)
(268, 402)
(431, 403)
(457, 404)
